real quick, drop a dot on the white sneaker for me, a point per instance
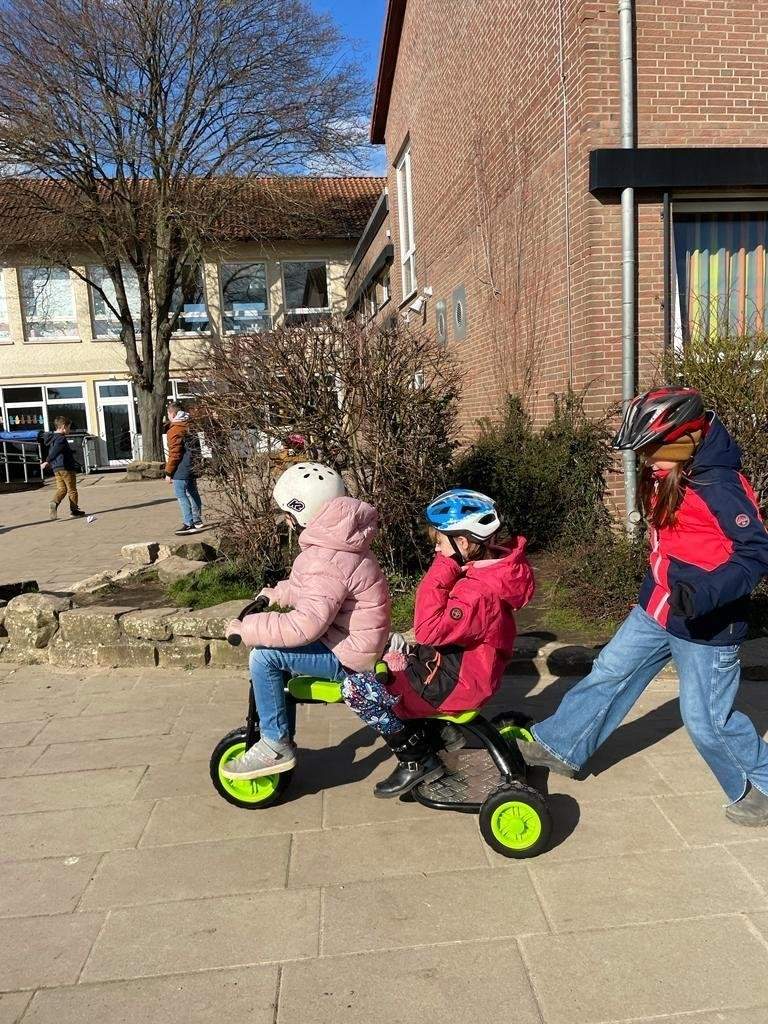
(258, 760)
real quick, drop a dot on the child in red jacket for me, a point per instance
(465, 635)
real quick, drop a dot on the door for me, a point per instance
(117, 421)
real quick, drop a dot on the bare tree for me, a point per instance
(145, 117)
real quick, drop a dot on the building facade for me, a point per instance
(59, 351)
(501, 227)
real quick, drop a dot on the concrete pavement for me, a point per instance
(129, 891)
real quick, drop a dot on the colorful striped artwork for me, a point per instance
(721, 273)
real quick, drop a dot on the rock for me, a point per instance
(11, 590)
(2, 622)
(149, 624)
(128, 572)
(92, 625)
(140, 470)
(183, 653)
(128, 654)
(25, 655)
(65, 654)
(208, 622)
(224, 655)
(569, 659)
(174, 568)
(192, 550)
(32, 619)
(140, 554)
(93, 584)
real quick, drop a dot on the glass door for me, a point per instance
(117, 421)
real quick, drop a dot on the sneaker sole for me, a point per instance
(744, 823)
(258, 773)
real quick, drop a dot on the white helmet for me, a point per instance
(302, 490)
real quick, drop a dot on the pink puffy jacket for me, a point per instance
(336, 589)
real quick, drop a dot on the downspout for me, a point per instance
(628, 269)
(566, 181)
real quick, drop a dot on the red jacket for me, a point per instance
(465, 631)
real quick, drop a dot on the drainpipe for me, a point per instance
(628, 297)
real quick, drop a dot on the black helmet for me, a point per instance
(661, 416)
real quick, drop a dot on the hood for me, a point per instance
(718, 450)
(342, 524)
(180, 417)
(503, 572)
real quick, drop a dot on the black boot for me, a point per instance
(417, 762)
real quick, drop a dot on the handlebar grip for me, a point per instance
(259, 605)
(234, 640)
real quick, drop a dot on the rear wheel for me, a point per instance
(250, 794)
(515, 821)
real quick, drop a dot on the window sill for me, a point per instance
(53, 341)
(408, 298)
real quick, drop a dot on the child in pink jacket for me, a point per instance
(340, 609)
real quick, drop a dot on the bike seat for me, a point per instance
(460, 718)
(327, 691)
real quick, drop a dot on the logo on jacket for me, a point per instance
(296, 505)
(742, 520)
(456, 613)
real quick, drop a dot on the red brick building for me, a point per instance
(501, 227)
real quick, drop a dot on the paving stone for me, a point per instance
(149, 624)
(41, 952)
(185, 652)
(105, 727)
(107, 683)
(170, 699)
(753, 857)
(18, 734)
(29, 683)
(240, 994)
(72, 833)
(759, 1015)
(208, 622)
(32, 619)
(684, 772)
(648, 970)
(18, 760)
(203, 934)
(39, 710)
(189, 778)
(428, 909)
(12, 1006)
(323, 858)
(351, 801)
(701, 819)
(192, 871)
(213, 718)
(196, 819)
(37, 887)
(434, 985)
(68, 790)
(613, 891)
(93, 625)
(127, 653)
(633, 776)
(118, 753)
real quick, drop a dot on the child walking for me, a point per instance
(339, 617)
(465, 636)
(64, 465)
(709, 549)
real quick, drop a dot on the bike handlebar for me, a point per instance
(259, 605)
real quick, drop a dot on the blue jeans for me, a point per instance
(709, 680)
(189, 499)
(271, 667)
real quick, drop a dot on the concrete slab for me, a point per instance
(700, 819)
(138, 750)
(72, 833)
(244, 994)
(17, 760)
(196, 870)
(656, 969)
(106, 727)
(42, 952)
(202, 934)
(483, 981)
(12, 1006)
(197, 819)
(36, 887)
(68, 790)
(18, 734)
(38, 710)
(188, 778)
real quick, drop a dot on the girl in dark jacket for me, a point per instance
(709, 549)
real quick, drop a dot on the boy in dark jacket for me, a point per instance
(181, 469)
(64, 466)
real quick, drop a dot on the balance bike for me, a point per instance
(487, 779)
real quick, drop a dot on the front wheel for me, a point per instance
(250, 794)
(514, 725)
(515, 821)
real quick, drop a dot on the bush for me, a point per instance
(549, 485)
(602, 575)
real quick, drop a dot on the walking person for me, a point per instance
(61, 460)
(709, 549)
(181, 468)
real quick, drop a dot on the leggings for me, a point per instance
(371, 701)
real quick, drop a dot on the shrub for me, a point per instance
(602, 575)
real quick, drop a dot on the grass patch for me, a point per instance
(556, 613)
(217, 583)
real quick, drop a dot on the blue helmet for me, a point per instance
(463, 512)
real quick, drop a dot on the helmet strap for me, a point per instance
(457, 550)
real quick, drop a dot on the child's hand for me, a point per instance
(233, 628)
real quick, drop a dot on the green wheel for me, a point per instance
(514, 725)
(251, 794)
(515, 821)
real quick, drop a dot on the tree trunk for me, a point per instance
(151, 412)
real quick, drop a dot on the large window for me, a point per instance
(244, 295)
(106, 323)
(5, 330)
(49, 304)
(35, 407)
(305, 285)
(189, 297)
(405, 219)
(720, 258)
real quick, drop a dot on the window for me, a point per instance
(66, 400)
(189, 297)
(5, 330)
(244, 294)
(405, 217)
(36, 407)
(720, 260)
(49, 304)
(106, 324)
(24, 408)
(305, 285)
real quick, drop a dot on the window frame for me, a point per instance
(205, 332)
(404, 174)
(5, 336)
(43, 404)
(29, 337)
(267, 314)
(305, 311)
(114, 336)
